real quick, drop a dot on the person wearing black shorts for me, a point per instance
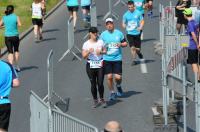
(133, 22)
(180, 6)
(8, 79)
(72, 6)
(85, 5)
(11, 22)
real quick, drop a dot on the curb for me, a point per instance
(22, 35)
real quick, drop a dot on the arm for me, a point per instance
(141, 25)
(19, 22)
(1, 24)
(15, 83)
(124, 22)
(195, 38)
(85, 53)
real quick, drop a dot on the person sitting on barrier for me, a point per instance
(194, 47)
(37, 17)
(149, 8)
(92, 51)
(73, 6)
(85, 4)
(11, 22)
(113, 126)
(180, 6)
(8, 79)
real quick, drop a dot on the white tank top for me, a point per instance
(36, 10)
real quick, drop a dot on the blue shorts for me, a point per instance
(113, 67)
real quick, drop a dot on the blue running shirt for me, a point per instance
(139, 5)
(85, 2)
(72, 2)
(7, 74)
(114, 53)
(10, 23)
(132, 21)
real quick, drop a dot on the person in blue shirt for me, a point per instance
(194, 47)
(85, 5)
(113, 40)
(11, 22)
(133, 23)
(139, 5)
(8, 79)
(72, 6)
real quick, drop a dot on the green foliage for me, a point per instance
(22, 9)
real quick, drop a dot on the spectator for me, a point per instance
(11, 22)
(180, 7)
(113, 126)
(193, 49)
(85, 5)
(8, 79)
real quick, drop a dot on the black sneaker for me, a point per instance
(133, 63)
(119, 91)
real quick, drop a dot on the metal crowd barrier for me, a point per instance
(46, 117)
(120, 2)
(70, 41)
(174, 66)
(110, 12)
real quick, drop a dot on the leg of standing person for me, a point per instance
(118, 77)
(74, 13)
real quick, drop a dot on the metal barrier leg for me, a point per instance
(64, 55)
(76, 56)
(120, 1)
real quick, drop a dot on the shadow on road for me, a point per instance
(146, 40)
(47, 39)
(113, 102)
(127, 94)
(28, 68)
(50, 30)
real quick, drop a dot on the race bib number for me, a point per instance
(113, 49)
(96, 64)
(138, 4)
(131, 25)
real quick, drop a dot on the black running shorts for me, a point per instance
(12, 44)
(5, 110)
(113, 67)
(193, 56)
(134, 40)
(72, 8)
(36, 21)
(86, 7)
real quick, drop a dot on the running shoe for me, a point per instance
(17, 68)
(112, 96)
(96, 103)
(41, 38)
(103, 103)
(119, 91)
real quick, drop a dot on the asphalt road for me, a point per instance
(133, 111)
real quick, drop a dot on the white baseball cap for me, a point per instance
(109, 20)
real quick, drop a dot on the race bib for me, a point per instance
(113, 49)
(96, 64)
(131, 25)
(138, 4)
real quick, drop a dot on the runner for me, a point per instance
(85, 4)
(133, 22)
(72, 6)
(140, 5)
(8, 80)
(37, 9)
(11, 22)
(194, 47)
(149, 7)
(92, 51)
(114, 41)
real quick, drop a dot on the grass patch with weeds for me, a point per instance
(22, 9)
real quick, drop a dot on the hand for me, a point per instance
(91, 50)
(139, 28)
(98, 51)
(119, 45)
